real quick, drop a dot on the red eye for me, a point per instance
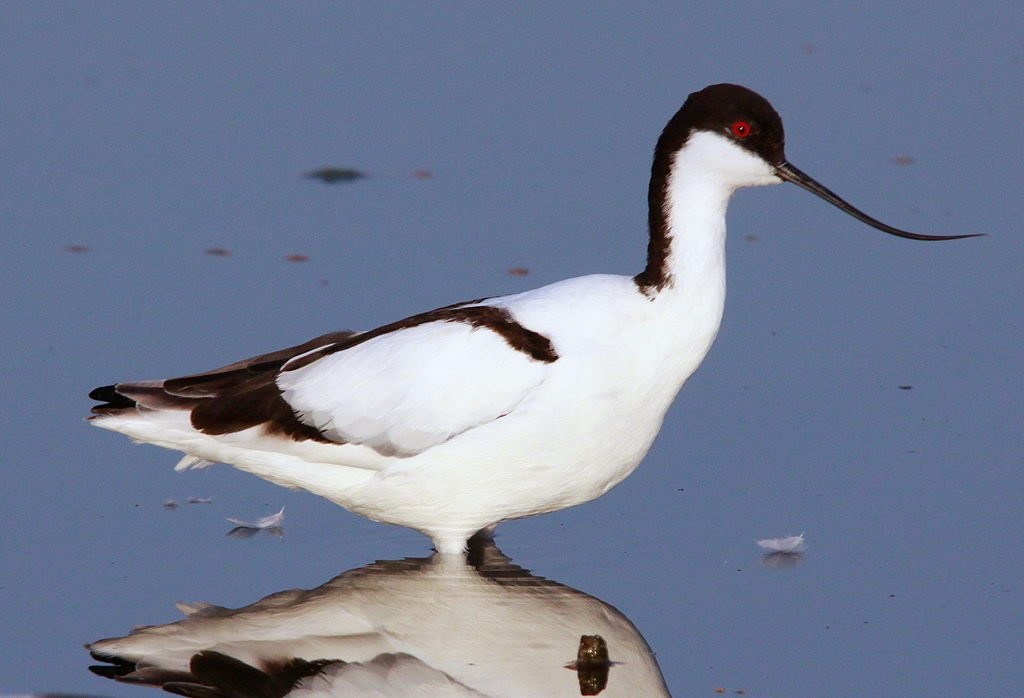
(741, 129)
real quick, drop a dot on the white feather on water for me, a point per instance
(789, 544)
(264, 522)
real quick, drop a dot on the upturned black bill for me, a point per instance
(790, 173)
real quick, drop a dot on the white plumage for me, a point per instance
(406, 391)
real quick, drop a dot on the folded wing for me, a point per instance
(407, 389)
(399, 389)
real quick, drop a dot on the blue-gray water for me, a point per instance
(150, 133)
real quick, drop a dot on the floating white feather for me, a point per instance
(789, 544)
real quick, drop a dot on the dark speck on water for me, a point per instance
(336, 175)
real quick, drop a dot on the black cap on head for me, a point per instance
(732, 111)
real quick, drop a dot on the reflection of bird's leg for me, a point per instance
(481, 548)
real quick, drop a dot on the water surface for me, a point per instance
(864, 390)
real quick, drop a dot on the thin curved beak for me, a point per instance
(789, 173)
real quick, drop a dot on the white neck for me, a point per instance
(692, 196)
(687, 277)
(695, 206)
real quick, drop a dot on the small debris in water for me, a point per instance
(296, 257)
(77, 249)
(789, 544)
(422, 174)
(270, 525)
(591, 665)
(906, 387)
(593, 650)
(902, 160)
(200, 500)
(218, 251)
(262, 523)
(518, 271)
(170, 504)
(336, 175)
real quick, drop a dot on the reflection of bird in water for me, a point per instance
(456, 419)
(482, 627)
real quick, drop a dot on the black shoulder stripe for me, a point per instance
(498, 320)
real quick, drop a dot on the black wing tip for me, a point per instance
(113, 666)
(112, 400)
